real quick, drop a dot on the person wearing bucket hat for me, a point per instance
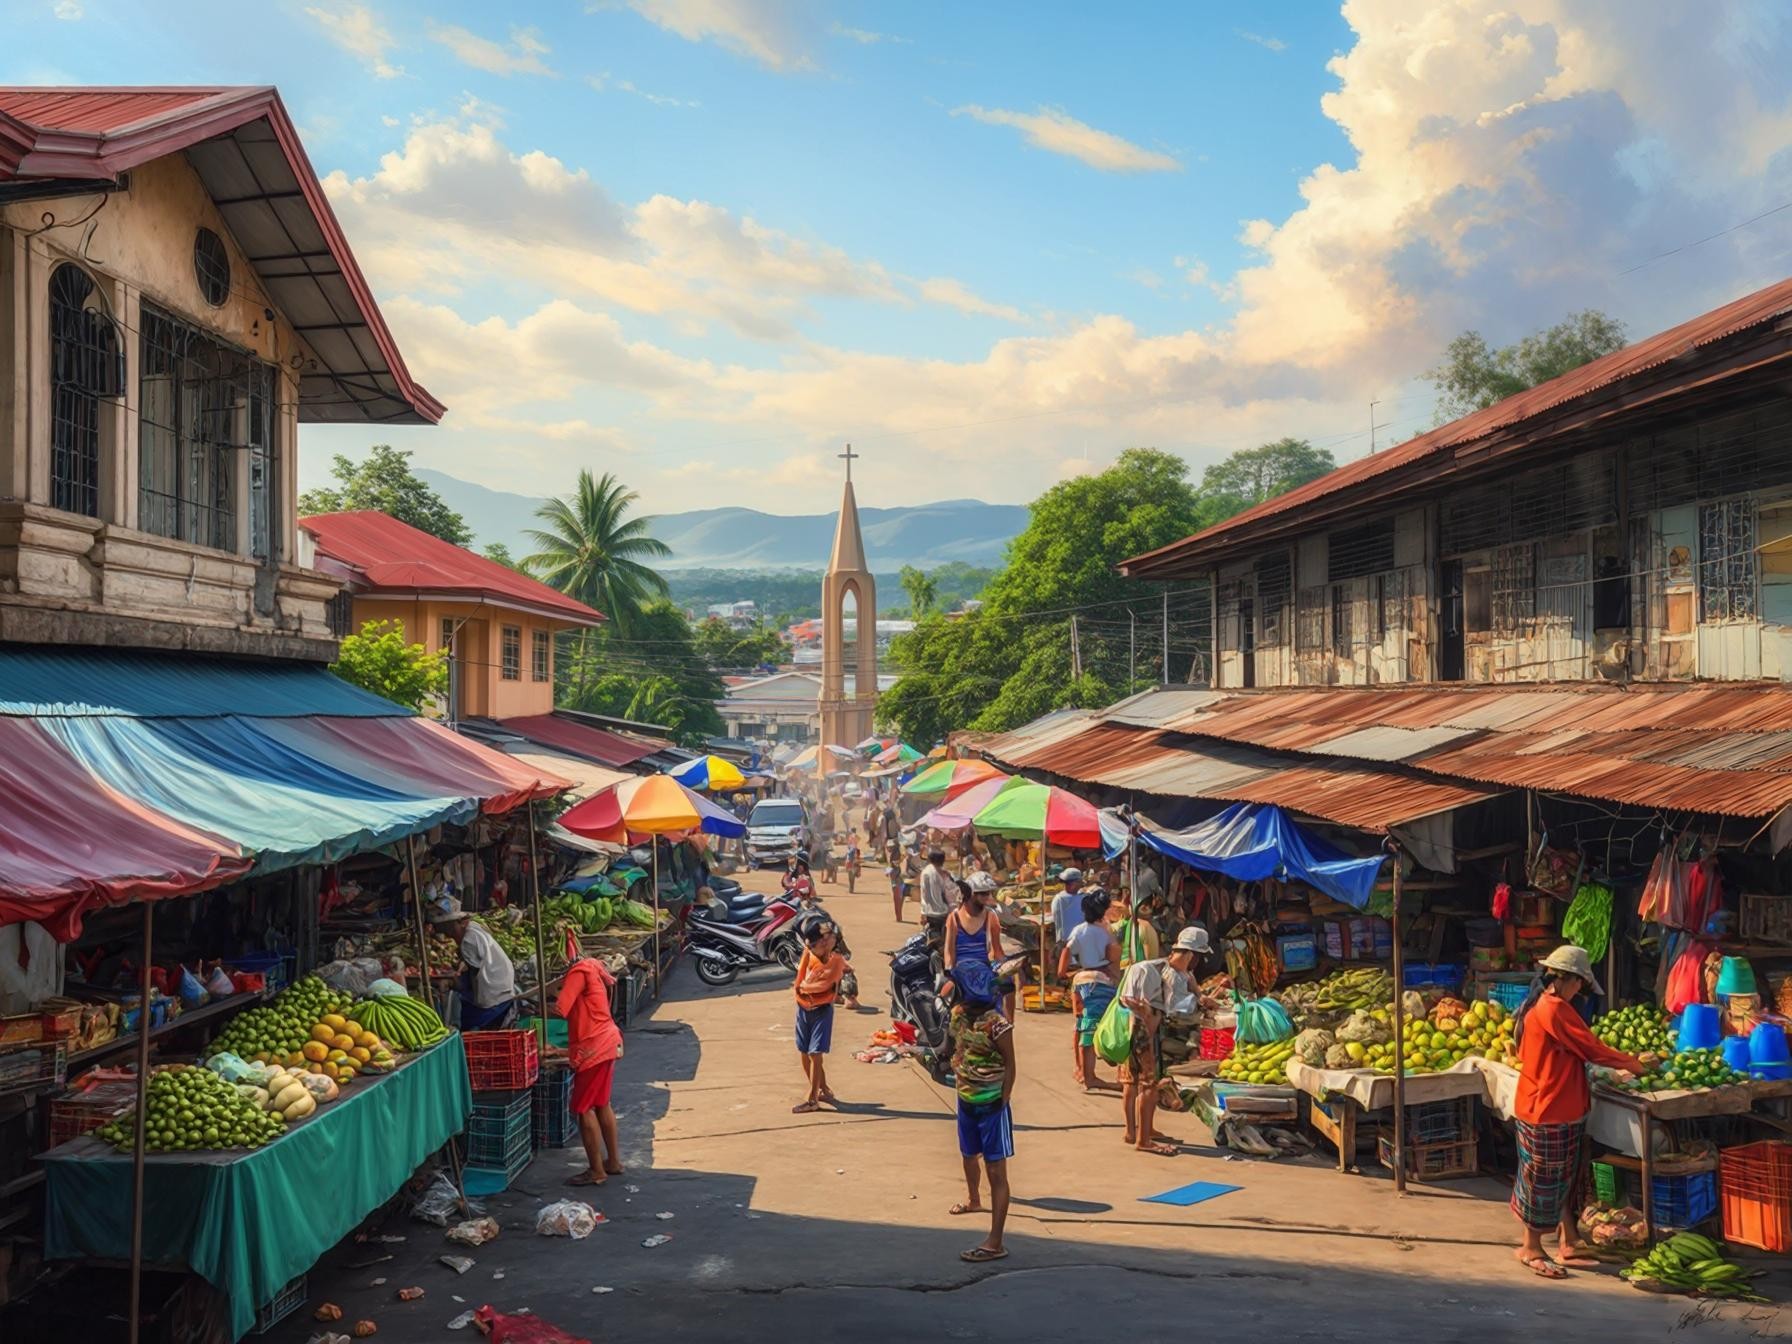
(983, 1070)
(1555, 1046)
(488, 979)
(1151, 991)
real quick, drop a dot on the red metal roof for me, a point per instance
(245, 148)
(1752, 310)
(387, 556)
(596, 744)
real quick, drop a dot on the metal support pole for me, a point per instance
(1044, 920)
(140, 1134)
(1132, 645)
(541, 951)
(1166, 669)
(1399, 1037)
(658, 969)
(429, 985)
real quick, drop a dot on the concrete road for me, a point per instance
(835, 1225)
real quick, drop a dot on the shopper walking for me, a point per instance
(974, 934)
(937, 891)
(818, 976)
(593, 1045)
(1151, 990)
(1091, 962)
(1550, 1109)
(1067, 906)
(983, 1069)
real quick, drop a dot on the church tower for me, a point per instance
(848, 592)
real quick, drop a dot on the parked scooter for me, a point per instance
(723, 941)
(916, 973)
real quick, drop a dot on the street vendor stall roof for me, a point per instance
(244, 767)
(563, 733)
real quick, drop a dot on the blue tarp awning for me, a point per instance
(40, 682)
(1252, 841)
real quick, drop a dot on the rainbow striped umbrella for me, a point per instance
(897, 753)
(947, 779)
(956, 814)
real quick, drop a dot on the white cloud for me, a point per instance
(389, 121)
(769, 31)
(605, 82)
(956, 294)
(69, 11)
(361, 33)
(1055, 130)
(523, 56)
(865, 37)
(1269, 43)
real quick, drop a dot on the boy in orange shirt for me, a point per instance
(817, 984)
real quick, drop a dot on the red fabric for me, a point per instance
(68, 844)
(581, 739)
(418, 755)
(1704, 894)
(1502, 901)
(1686, 978)
(398, 558)
(592, 1036)
(1553, 1053)
(523, 1329)
(591, 1087)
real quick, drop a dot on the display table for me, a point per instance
(250, 1221)
(1352, 1092)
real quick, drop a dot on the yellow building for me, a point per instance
(497, 625)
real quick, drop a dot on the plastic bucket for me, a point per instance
(1736, 1053)
(1700, 1028)
(1767, 1044)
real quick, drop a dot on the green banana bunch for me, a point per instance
(1694, 1263)
(401, 1021)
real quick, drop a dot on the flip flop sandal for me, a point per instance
(959, 1210)
(981, 1255)
(805, 1108)
(1544, 1268)
(1159, 1150)
(583, 1178)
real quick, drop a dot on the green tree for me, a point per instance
(383, 480)
(721, 645)
(657, 675)
(592, 550)
(379, 660)
(1011, 661)
(498, 551)
(1252, 475)
(922, 591)
(1474, 375)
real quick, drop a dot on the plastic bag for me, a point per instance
(440, 1202)
(219, 985)
(386, 989)
(566, 1218)
(192, 992)
(351, 977)
(233, 1069)
(474, 1231)
(1113, 1034)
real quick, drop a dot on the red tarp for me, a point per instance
(68, 844)
(581, 739)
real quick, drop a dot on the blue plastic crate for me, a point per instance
(276, 968)
(1510, 995)
(1684, 1201)
(497, 1127)
(552, 1124)
(1441, 975)
(288, 1300)
(1298, 951)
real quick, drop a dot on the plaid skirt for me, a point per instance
(1552, 1170)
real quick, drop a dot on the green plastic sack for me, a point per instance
(1113, 1034)
(1588, 922)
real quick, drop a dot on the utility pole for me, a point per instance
(1076, 653)
(1372, 406)
(1132, 644)
(1166, 636)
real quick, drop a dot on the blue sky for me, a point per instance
(702, 242)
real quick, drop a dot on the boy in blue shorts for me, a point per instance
(817, 985)
(983, 1066)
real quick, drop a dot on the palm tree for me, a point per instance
(591, 551)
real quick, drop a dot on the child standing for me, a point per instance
(983, 1065)
(818, 976)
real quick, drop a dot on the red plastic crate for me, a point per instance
(1755, 1190)
(1217, 1043)
(501, 1061)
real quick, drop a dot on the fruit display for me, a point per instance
(1321, 1002)
(1639, 1029)
(588, 916)
(1454, 1031)
(515, 936)
(408, 1023)
(1692, 1263)
(1263, 1063)
(193, 1109)
(1690, 1070)
(278, 1029)
(1261, 1021)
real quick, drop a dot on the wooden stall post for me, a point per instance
(140, 1135)
(429, 988)
(541, 953)
(1399, 1035)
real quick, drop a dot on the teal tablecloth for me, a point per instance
(252, 1221)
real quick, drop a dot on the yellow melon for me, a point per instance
(315, 1051)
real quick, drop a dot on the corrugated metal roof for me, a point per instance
(1146, 760)
(1752, 310)
(1161, 708)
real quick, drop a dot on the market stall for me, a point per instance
(252, 1220)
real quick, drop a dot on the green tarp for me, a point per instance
(251, 1222)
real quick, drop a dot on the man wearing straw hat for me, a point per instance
(488, 983)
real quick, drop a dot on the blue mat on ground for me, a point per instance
(1185, 1195)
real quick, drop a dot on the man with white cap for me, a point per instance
(488, 980)
(1152, 990)
(1067, 905)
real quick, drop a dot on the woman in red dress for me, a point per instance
(593, 1045)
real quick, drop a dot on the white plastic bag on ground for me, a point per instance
(566, 1218)
(440, 1202)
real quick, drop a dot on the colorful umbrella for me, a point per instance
(956, 814)
(947, 779)
(896, 753)
(709, 773)
(808, 757)
(1032, 811)
(871, 746)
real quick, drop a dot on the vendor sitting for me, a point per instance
(487, 980)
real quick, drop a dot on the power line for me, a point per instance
(1708, 238)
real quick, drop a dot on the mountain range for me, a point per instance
(925, 535)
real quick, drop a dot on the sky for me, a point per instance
(703, 244)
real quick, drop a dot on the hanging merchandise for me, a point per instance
(1686, 981)
(1553, 871)
(1704, 894)
(1502, 901)
(1261, 1021)
(1588, 922)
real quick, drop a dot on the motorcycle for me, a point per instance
(725, 940)
(916, 973)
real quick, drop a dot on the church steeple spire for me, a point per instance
(846, 719)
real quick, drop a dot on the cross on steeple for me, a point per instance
(850, 457)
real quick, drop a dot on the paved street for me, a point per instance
(836, 1224)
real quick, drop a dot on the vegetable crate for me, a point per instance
(275, 968)
(1440, 1122)
(498, 1131)
(81, 1113)
(32, 1066)
(502, 1061)
(1684, 1201)
(1506, 989)
(1755, 1187)
(552, 1122)
(288, 1300)
(1440, 975)
(1431, 1161)
(1766, 918)
(1217, 1042)
(1608, 1185)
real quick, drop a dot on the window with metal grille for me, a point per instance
(1309, 621)
(542, 660)
(1727, 566)
(341, 612)
(1514, 591)
(1724, 455)
(1341, 612)
(447, 644)
(211, 267)
(1354, 552)
(511, 665)
(200, 403)
(86, 367)
(1275, 578)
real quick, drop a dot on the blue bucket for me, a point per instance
(1700, 1028)
(1736, 1053)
